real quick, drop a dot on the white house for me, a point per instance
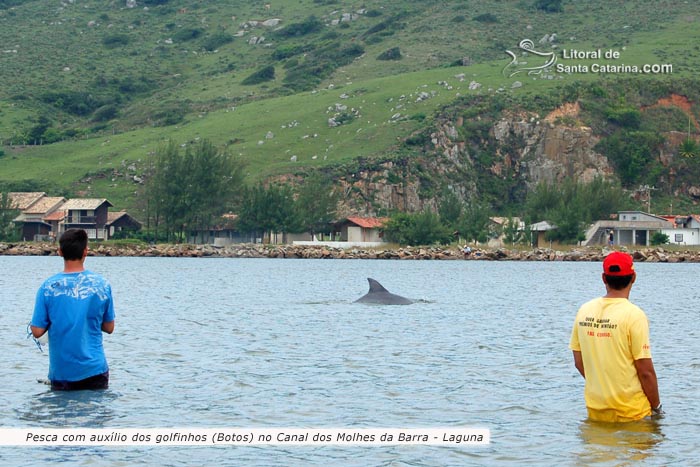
(630, 228)
(683, 230)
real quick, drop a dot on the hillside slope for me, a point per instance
(108, 82)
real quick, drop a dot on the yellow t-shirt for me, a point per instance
(611, 333)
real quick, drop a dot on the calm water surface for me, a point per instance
(278, 343)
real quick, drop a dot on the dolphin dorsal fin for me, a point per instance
(375, 286)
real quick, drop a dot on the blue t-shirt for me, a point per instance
(73, 307)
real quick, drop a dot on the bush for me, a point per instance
(134, 85)
(660, 238)
(215, 41)
(286, 51)
(627, 117)
(320, 64)
(486, 18)
(549, 6)
(423, 228)
(51, 135)
(187, 34)
(419, 139)
(116, 40)
(389, 25)
(308, 26)
(633, 153)
(73, 102)
(392, 54)
(171, 114)
(105, 113)
(262, 75)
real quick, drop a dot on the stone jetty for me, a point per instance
(651, 254)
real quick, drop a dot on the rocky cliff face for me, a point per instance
(517, 150)
(552, 152)
(373, 190)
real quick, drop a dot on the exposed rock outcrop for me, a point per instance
(522, 149)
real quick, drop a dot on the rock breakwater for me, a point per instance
(657, 255)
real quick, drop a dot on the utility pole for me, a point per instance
(646, 191)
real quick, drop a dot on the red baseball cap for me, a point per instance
(618, 263)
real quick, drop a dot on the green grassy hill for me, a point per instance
(110, 83)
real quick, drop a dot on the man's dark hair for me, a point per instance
(73, 243)
(618, 282)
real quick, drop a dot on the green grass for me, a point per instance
(221, 109)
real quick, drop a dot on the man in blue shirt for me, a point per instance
(75, 307)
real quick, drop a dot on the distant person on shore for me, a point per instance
(611, 238)
(75, 307)
(467, 250)
(610, 343)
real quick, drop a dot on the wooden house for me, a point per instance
(89, 214)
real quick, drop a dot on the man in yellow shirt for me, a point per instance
(610, 342)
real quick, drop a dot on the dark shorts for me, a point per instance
(93, 382)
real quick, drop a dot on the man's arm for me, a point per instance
(37, 332)
(108, 327)
(578, 362)
(647, 376)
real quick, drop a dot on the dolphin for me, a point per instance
(378, 295)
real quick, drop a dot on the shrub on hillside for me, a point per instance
(319, 64)
(187, 34)
(4, 4)
(262, 75)
(633, 153)
(215, 41)
(626, 117)
(308, 26)
(171, 114)
(392, 54)
(286, 51)
(73, 102)
(134, 84)
(105, 113)
(116, 40)
(486, 18)
(549, 6)
(51, 135)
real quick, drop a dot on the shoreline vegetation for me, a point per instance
(391, 252)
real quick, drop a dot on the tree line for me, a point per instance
(189, 189)
(570, 205)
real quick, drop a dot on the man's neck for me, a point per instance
(73, 266)
(624, 293)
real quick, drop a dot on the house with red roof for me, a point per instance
(361, 229)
